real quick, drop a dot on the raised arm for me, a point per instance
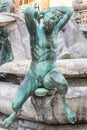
(56, 17)
(30, 13)
(67, 13)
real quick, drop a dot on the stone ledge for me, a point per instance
(68, 67)
(50, 113)
(28, 125)
(5, 19)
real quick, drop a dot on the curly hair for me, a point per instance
(51, 18)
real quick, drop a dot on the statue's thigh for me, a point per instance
(55, 79)
(26, 89)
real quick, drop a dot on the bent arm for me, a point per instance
(29, 14)
(67, 13)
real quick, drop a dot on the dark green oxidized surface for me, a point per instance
(5, 47)
(43, 28)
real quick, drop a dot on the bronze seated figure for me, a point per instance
(43, 27)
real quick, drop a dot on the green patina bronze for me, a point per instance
(5, 46)
(43, 27)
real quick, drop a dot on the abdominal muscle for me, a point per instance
(40, 69)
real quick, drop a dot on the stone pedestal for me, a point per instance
(49, 110)
(45, 113)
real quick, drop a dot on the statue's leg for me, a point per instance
(54, 79)
(25, 90)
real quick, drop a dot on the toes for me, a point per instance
(72, 118)
(6, 123)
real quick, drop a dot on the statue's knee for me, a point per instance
(59, 82)
(54, 79)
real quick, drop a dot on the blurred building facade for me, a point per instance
(61, 3)
(44, 3)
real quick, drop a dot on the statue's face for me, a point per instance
(48, 22)
(50, 19)
(44, 22)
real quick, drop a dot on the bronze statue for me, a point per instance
(43, 27)
(5, 46)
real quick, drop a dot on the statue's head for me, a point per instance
(47, 18)
(51, 18)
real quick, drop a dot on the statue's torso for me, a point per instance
(43, 49)
(43, 46)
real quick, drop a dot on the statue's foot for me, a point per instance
(6, 123)
(71, 117)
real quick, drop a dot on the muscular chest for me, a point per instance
(41, 38)
(46, 40)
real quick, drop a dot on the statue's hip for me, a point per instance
(42, 68)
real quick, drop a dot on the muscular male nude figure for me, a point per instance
(43, 28)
